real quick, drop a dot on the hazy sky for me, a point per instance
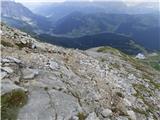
(128, 2)
(137, 1)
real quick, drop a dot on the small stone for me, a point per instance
(5, 60)
(106, 113)
(14, 60)
(54, 65)
(92, 116)
(7, 69)
(131, 115)
(33, 46)
(0, 32)
(74, 118)
(23, 41)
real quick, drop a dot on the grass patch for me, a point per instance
(151, 81)
(137, 110)
(11, 103)
(153, 61)
(120, 94)
(6, 44)
(115, 65)
(46, 88)
(140, 91)
(21, 45)
(81, 116)
(102, 49)
(102, 59)
(106, 49)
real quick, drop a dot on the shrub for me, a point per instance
(120, 94)
(11, 103)
(81, 116)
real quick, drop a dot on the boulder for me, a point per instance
(106, 113)
(54, 65)
(23, 41)
(7, 69)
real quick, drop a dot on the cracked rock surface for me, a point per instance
(66, 84)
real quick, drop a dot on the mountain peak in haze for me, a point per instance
(17, 15)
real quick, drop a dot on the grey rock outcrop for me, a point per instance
(7, 69)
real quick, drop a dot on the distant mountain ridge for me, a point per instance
(144, 28)
(15, 14)
(18, 10)
(54, 10)
(72, 20)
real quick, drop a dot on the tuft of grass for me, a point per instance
(140, 91)
(46, 88)
(21, 45)
(108, 49)
(153, 61)
(137, 110)
(61, 75)
(102, 59)
(81, 116)
(151, 81)
(102, 49)
(120, 94)
(115, 65)
(11, 103)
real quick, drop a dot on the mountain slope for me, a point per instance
(43, 81)
(143, 28)
(121, 42)
(78, 23)
(16, 15)
(71, 19)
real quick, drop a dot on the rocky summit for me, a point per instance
(40, 81)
